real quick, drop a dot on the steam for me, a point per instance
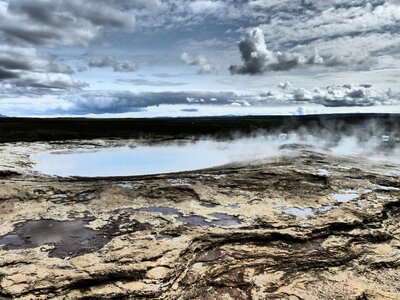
(139, 159)
(266, 146)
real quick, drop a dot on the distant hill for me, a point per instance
(3, 116)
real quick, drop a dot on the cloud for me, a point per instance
(126, 101)
(258, 59)
(345, 95)
(61, 22)
(145, 82)
(112, 62)
(115, 102)
(25, 67)
(200, 61)
(334, 96)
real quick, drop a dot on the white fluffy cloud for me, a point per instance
(111, 62)
(200, 61)
(346, 95)
(258, 59)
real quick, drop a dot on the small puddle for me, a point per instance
(224, 220)
(194, 221)
(323, 172)
(343, 198)
(167, 211)
(305, 212)
(128, 185)
(178, 182)
(234, 206)
(219, 220)
(299, 212)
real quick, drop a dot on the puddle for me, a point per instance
(343, 198)
(178, 182)
(305, 212)
(323, 172)
(208, 205)
(324, 208)
(167, 211)
(70, 238)
(234, 206)
(224, 220)
(218, 220)
(299, 212)
(194, 221)
(129, 186)
(218, 176)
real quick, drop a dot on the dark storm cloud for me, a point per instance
(25, 67)
(43, 22)
(112, 62)
(125, 101)
(5, 74)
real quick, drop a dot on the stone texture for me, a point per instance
(350, 251)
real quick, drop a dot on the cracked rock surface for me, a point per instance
(277, 229)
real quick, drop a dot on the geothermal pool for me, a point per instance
(147, 160)
(153, 159)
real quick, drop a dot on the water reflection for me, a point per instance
(143, 160)
(174, 157)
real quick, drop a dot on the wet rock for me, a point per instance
(271, 230)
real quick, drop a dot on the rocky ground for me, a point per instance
(303, 226)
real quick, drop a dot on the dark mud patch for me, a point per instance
(68, 238)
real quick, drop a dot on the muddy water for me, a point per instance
(68, 238)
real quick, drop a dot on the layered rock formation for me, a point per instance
(303, 226)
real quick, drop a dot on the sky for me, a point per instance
(146, 58)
